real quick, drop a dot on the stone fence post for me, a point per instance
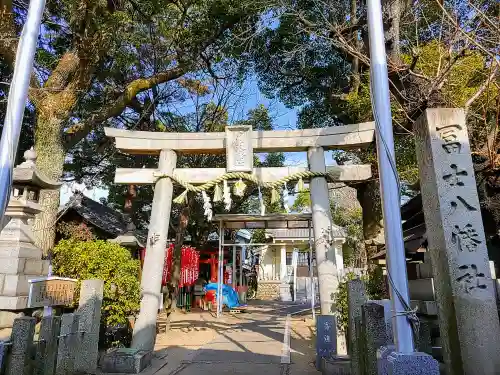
(46, 356)
(374, 331)
(68, 345)
(18, 361)
(89, 310)
(356, 297)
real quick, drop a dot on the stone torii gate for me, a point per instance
(239, 143)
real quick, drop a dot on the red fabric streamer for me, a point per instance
(190, 265)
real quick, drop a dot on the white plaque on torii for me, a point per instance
(239, 151)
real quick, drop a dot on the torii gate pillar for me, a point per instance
(144, 335)
(326, 261)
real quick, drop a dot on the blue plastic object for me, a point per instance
(229, 295)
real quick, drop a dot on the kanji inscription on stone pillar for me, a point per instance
(239, 151)
(466, 297)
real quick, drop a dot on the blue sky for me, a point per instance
(283, 118)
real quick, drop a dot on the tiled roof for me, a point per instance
(101, 216)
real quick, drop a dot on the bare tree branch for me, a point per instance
(482, 88)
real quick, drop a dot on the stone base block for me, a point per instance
(17, 285)
(339, 365)
(12, 266)
(19, 250)
(34, 266)
(7, 318)
(128, 361)
(13, 303)
(425, 307)
(422, 289)
(394, 363)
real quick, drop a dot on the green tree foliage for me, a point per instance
(103, 260)
(116, 63)
(259, 236)
(349, 219)
(314, 56)
(302, 201)
(375, 289)
(352, 221)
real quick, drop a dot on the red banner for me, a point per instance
(190, 265)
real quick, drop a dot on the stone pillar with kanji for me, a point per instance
(468, 316)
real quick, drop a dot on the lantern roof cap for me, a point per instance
(27, 173)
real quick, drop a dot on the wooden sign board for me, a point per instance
(51, 291)
(239, 151)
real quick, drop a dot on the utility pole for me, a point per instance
(389, 184)
(18, 93)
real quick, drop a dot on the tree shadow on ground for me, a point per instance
(242, 344)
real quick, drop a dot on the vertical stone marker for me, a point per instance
(325, 338)
(374, 331)
(468, 314)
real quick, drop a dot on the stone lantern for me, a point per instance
(20, 259)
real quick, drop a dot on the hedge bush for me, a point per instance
(106, 261)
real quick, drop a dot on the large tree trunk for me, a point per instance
(50, 161)
(393, 9)
(373, 229)
(170, 300)
(53, 110)
(8, 37)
